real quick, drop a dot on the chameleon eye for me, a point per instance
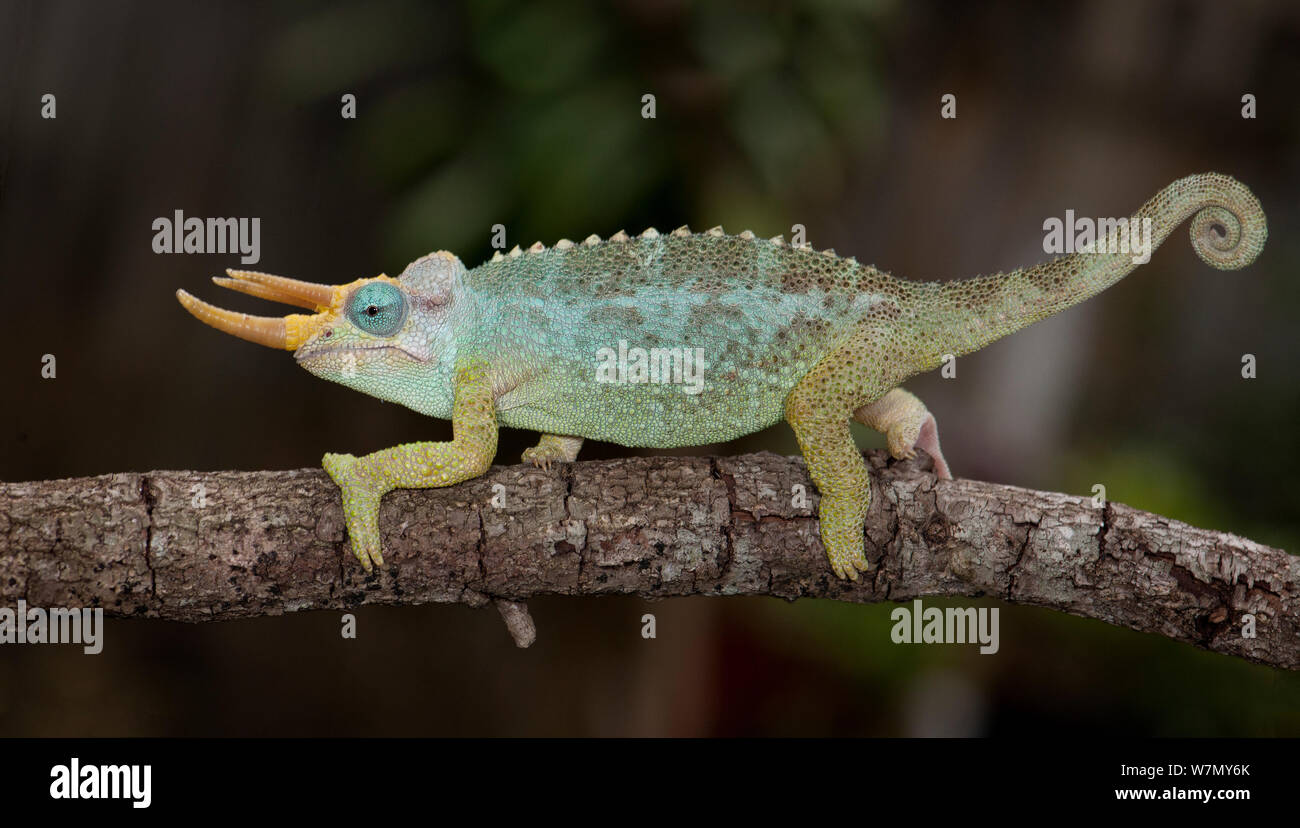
(377, 308)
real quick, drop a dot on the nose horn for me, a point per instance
(307, 295)
(263, 330)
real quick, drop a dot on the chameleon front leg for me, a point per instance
(365, 480)
(907, 425)
(553, 448)
(818, 409)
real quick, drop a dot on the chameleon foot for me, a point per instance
(553, 448)
(361, 496)
(907, 426)
(841, 521)
(365, 480)
(834, 462)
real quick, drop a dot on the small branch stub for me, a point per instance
(518, 622)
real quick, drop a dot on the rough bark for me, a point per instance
(201, 546)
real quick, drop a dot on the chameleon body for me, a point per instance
(780, 332)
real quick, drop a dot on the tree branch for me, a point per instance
(201, 546)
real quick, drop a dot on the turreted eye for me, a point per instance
(377, 308)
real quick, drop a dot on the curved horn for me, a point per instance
(286, 333)
(307, 295)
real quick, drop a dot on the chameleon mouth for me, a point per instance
(307, 352)
(287, 332)
(313, 350)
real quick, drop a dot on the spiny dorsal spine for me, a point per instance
(650, 233)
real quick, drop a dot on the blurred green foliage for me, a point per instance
(534, 118)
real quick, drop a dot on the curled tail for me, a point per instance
(1228, 231)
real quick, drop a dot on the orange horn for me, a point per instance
(285, 333)
(279, 289)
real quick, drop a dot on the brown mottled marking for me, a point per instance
(629, 318)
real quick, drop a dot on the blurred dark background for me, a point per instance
(768, 114)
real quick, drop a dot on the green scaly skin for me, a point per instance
(785, 332)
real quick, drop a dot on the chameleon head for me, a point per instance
(358, 331)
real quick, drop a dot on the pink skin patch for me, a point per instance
(928, 440)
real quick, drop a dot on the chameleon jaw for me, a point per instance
(286, 333)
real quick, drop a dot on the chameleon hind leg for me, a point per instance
(553, 448)
(365, 480)
(818, 410)
(907, 425)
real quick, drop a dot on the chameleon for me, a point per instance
(773, 331)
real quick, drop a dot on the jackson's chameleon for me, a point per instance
(784, 332)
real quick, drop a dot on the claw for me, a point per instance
(547, 453)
